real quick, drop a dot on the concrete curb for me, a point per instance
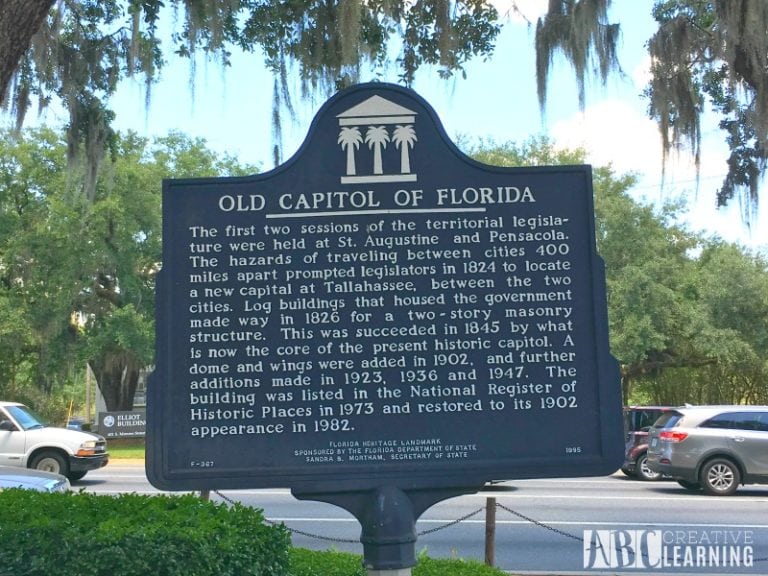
(126, 462)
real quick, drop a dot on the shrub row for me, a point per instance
(135, 535)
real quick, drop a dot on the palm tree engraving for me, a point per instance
(404, 138)
(350, 140)
(377, 137)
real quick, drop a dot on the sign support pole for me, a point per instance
(388, 516)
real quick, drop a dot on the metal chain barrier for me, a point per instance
(566, 534)
(540, 524)
(437, 528)
(293, 530)
(452, 523)
(347, 540)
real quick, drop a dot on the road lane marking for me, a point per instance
(326, 520)
(731, 500)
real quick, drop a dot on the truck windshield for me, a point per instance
(25, 417)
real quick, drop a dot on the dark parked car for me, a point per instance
(78, 424)
(637, 421)
(711, 448)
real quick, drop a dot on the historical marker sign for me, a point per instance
(381, 310)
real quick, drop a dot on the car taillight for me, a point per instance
(669, 436)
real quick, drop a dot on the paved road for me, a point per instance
(541, 524)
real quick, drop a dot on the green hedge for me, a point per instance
(134, 535)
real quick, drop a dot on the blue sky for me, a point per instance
(231, 109)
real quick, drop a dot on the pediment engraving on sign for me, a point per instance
(377, 123)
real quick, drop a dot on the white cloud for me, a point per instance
(617, 132)
(612, 132)
(641, 75)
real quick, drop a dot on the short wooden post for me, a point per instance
(490, 531)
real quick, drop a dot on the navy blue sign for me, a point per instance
(381, 309)
(126, 424)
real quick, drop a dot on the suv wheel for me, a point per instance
(643, 471)
(720, 477)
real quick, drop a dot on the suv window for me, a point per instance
(739, 421)
(668, 420)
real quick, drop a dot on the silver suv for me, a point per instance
(711, 448)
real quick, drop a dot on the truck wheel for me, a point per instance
(50, 461)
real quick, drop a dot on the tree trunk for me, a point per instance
(117, 379)
(626, 388)
(19, 21)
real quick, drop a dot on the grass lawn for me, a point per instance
(125, 448)
(329, 563)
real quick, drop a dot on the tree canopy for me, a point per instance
(76, 52)
(704, 53)
(84, 48)
(76, 275)
(687, 314)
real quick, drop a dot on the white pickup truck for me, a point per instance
(28, 442)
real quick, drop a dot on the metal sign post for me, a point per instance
(387, 515)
